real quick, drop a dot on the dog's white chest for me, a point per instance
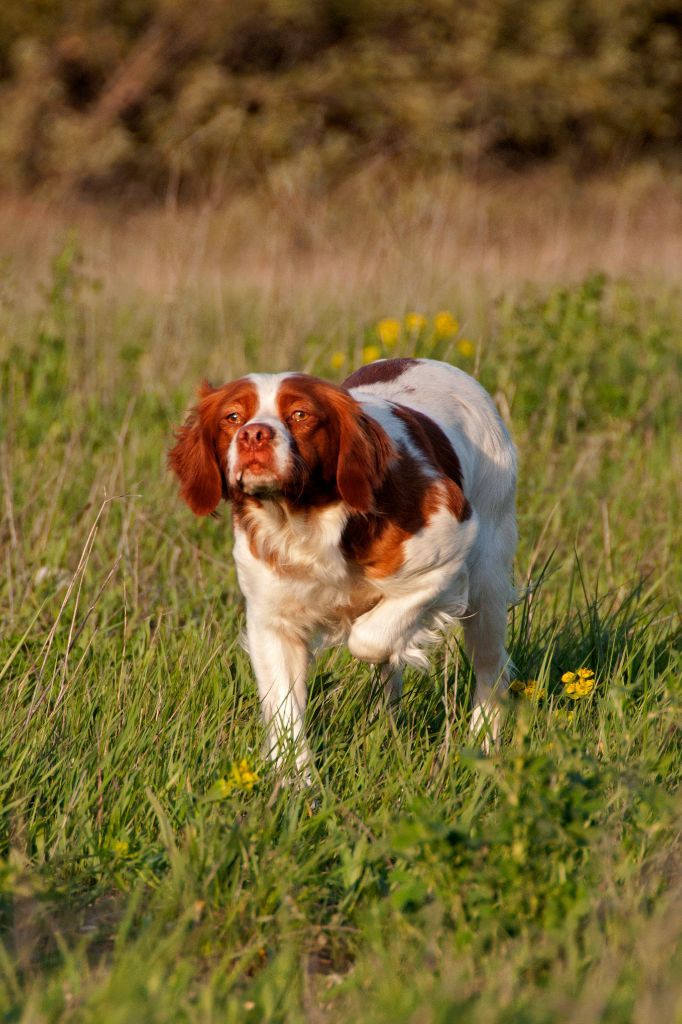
(297, 564)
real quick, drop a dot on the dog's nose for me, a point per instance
(255, 435)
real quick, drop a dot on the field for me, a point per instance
(152, 866)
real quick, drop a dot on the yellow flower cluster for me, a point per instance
(579, 684)
(241, 777)
(530, 689)
(445, 325)
(389, 330)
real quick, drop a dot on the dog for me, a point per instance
(375, 513)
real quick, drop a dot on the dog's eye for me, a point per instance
(299, 414)
(233, 417)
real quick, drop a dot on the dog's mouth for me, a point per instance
(255, 478)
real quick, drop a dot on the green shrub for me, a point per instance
(195, 98)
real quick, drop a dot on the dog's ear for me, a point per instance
(193, 458)
(364, 453)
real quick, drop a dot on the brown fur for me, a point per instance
(405, 502)
(380, 372)
(202, 442)
(435, 446)
(346, 452)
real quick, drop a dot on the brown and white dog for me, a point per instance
(375, 513)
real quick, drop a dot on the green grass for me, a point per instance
(417, 879)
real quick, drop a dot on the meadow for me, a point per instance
(152, 866)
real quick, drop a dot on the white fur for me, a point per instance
(451, 570)
(267, 386)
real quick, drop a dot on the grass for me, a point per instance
(143, 878)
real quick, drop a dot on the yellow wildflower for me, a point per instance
(444, 324)
(583, 689)
(531, 689)
(119, 847)
(388, 330)
(242, 776)
(465, 348)
(578, 684)
(415, 322)
(337, 360)
(370, 353)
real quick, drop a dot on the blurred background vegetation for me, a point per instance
(171, 97)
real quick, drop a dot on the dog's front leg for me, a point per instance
(381, 634)
(280, 661)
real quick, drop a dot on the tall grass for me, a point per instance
(144, 877)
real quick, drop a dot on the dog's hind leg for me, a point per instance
(485, 627)
(391, 675)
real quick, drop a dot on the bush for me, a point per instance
(197, 98)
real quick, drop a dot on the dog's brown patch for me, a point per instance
(405, 502)
(381, 372)
(346, 452)
(434, 444)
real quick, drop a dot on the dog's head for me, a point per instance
(279, 435)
